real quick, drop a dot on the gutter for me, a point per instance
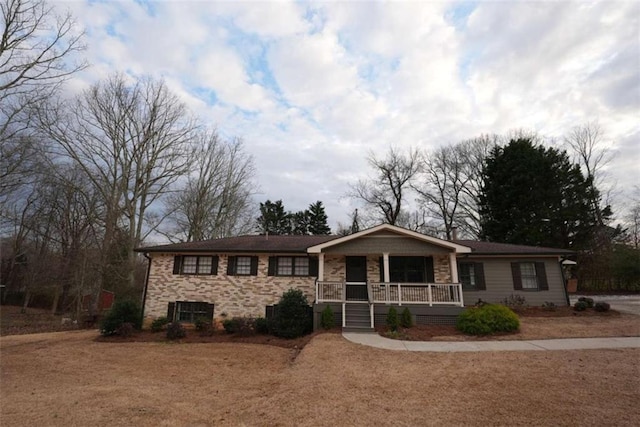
(146, 284)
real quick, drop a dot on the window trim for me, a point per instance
(294, 259)
(472, 285)
(232, 265)
(178, 265)
(542, 280)
(175, 309)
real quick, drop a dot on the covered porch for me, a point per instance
(360, 276)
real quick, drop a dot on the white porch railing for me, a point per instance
(397, 293)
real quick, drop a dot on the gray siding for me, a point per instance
(499, 282)
(377, 244)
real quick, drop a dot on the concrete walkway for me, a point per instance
(375, 340)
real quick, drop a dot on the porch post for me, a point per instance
(453, 267)
(320, 267)
(385, 265)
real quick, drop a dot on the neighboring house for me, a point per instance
(360, 276)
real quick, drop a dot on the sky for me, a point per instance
(313, 89)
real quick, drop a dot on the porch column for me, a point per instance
(453, 267)
(385, 266)
(320, 267)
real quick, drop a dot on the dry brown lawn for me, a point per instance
(69, 379)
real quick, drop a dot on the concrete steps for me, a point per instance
(358, 318)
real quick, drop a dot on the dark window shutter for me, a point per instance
(231, 265)
(478, 268)
(517, 278)
(254, 265)
(214, 264)
(541, 275)
(177, 264)
(313, 267)
(210, 311)
(428, 265)
(381, 264)
(273, 262)
(171, 310)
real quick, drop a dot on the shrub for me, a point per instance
(239, 325)
(392, 319)
(125, 330)
(549, 306)
(580, 306)
(293, 316)
(514, 302)
(406, 320)
(327, 321)
(159, 323)
(487, 319)
(601, 306)
(202, 324)
(588, 301)
(175, 331)
(121, 312)
(261, 325)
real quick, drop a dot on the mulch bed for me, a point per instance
(562, 312)
(218, 337)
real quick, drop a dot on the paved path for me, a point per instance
(375, 340)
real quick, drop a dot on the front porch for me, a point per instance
(364, 305)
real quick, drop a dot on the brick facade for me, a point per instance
(247, 295)
(232, 295)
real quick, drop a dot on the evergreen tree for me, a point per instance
(300, 223)
(317, 219)
(535, 196)
(273, 218)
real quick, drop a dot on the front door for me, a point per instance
(356, 274)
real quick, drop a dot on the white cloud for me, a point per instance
(313, 88)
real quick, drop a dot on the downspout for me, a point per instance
(564, 282)
(146, 284)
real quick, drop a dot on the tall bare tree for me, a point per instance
(586, 143)
(386, 193)
(215, 201)
(133, 140)
(37, 49)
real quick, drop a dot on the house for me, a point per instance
(360, 275)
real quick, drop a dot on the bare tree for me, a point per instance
(36, 55)
(586, 143)
(215, 201)
(386, 192)
(133, 141)
(632, 218)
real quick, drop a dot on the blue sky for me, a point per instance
(313, 88)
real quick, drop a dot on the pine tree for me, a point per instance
(273, 218)
(317, 219)
(535, 196)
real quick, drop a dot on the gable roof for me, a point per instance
(459, 248)
(492, 248)
(252, 243)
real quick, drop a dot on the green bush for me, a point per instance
(580, 306)
(121, 312)
(488, 319)
(239, 325)
(175, 331)
(261, 325)
(125, 330)
(406, 319)
(392, 319)
(327, 321)
(293, 316)
(159, 323)
(588, 301)
(601, 306)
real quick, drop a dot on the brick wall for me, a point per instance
(233, 295)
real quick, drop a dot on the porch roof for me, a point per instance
(402, 232)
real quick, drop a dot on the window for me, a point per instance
(467, 275)
(292, 266)
(191, 264)
(410, 269)
(471, 275)
(243, 265)
(529, 276)
(184, 311)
